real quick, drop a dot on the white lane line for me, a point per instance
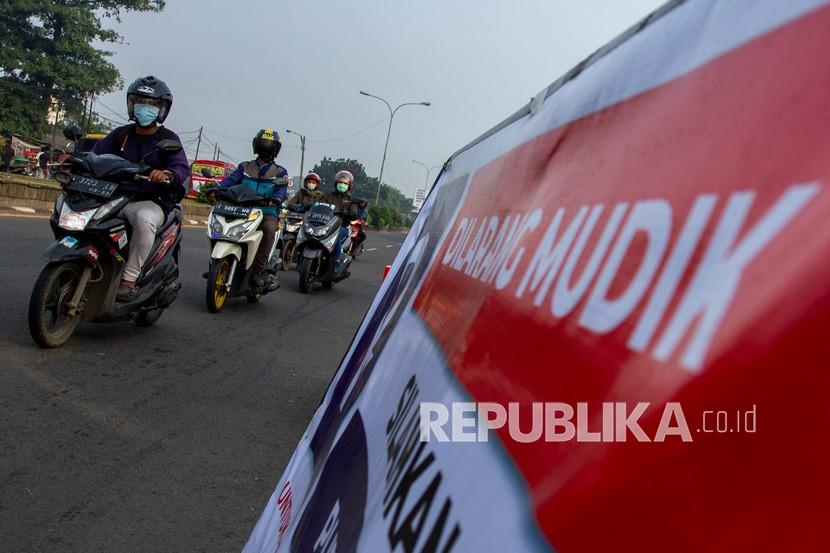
(192, 222)
(390, 245)
(370, 249)
(23, 209)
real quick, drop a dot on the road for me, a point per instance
(169, 438)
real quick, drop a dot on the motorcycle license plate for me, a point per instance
(94, 187)
(227, 210)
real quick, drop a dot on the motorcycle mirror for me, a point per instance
(73, 132)
(207, 173)
(169, 146)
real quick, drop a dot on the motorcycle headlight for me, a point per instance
(215, 227)
(317, 231)
(59, 202)
(75, 220)
(108, 208)
(329, 243)
(238, 231)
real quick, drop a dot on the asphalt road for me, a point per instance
(169, 438)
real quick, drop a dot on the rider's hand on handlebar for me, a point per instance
(159, 177)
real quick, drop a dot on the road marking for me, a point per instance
(192, 222)
(23, 209)
(390, 245)
(370, 249)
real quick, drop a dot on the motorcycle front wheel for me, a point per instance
(287, 255)
(215, 292)
(49, 323)
(306, 275)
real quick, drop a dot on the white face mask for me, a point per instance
(342, 187)
(145, 114)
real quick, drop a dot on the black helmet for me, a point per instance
(267, 144)
(150, 87)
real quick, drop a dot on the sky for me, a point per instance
(237, 67)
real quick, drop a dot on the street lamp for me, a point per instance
(424, 165)
(388, 132)
(302, 149)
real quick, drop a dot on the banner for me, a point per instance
(652, 289)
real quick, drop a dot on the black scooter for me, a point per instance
(291, 227)
(84, 265)
(316, 242)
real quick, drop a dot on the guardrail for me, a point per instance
(29, 193)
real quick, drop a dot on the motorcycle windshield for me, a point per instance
(320, 214)
(106, 166)
(240, 194)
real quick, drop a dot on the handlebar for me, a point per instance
(147, 178)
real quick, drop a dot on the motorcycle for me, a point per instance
(356, 229)
(234, 236)
(315, 247)
(293, 222)
(84, 265)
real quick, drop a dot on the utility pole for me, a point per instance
(388, 132)
(302, 155)
(198, 143)
(302, 149)
(89, 116)
(215, 151)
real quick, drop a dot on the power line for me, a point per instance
(227, 136)
(370, 127)
(100, 103)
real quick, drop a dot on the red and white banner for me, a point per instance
(663, 241)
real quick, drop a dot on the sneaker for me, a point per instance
(126, 294)
(258, 280)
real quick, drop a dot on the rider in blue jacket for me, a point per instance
(268, 179)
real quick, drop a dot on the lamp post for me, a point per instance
(388, 132)
(302, 149)
(429, 169)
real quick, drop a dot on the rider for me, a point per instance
(310, 192)
(148, 104)
(342, 200)
(268, 179)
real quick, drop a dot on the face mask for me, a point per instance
(145, 114)
(342, 187)
(311, 185)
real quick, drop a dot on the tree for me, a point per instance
(47, 57)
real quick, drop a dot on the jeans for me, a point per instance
(338, 245)
(269, 234)
(145, 218)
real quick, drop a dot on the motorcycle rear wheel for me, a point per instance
(215, 292)
(49, 324)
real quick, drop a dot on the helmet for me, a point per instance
(344, 175)
(267, 144)
(153, 88)
(312, 177)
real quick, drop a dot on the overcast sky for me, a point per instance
(236, 67)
